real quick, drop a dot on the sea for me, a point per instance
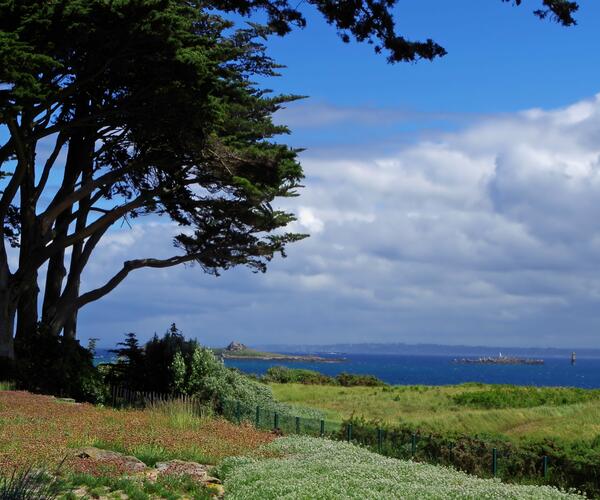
(435, 370)
(441, 370)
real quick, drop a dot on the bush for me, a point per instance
(352, 379)
(57, 365)
(284, 375)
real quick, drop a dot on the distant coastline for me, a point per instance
(442, 350)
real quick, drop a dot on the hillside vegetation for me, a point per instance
(513, 412)
(41, 431)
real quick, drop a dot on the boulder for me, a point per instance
(124, 462)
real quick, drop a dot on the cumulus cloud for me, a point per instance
(487, 235)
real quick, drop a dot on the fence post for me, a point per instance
(349, 432)
(379, 440)
(276, 421)
(545, 465)
(494, 461)
(238, 413)
(257, 416)
(297, 425)
(413, 444)
(322, 428)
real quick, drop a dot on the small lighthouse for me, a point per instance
(573, 357)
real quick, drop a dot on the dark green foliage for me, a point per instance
(508, 396)
(284, 375)
(174, 365)
(28, 485)
(148, 368)
(158, 358)
(353, 379)
(49, 364)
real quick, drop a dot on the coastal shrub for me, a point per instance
(284, 375)
(303, 467)
(353, 380)
(508, 396)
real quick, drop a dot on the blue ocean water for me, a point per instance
(440, 370)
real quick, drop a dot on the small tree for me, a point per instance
(130, 366)
(178, 372)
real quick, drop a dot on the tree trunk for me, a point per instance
(7, 310)
(77, 157)
(27, 306)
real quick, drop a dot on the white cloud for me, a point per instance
(490, 234)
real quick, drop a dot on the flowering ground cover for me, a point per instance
(306, 468)
(41, 430)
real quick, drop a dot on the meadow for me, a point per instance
(515, 413)
(43, 429)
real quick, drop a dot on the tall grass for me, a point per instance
(28, 484)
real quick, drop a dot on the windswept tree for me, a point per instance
(144, 108)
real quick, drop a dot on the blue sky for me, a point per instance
(454, 201)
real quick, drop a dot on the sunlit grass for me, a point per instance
(434, 409)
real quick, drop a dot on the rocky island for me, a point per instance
(237, 350)
(499, 360)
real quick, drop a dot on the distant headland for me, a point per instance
(237, 350)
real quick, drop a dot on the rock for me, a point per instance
(196, 471)
(125, 462)
(236, 346)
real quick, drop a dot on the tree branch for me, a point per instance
(15, 181)
(60, 141)
(57, 206)
(129, 266)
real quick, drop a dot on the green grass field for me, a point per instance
(513, 412)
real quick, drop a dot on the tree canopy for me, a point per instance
(148, 108)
